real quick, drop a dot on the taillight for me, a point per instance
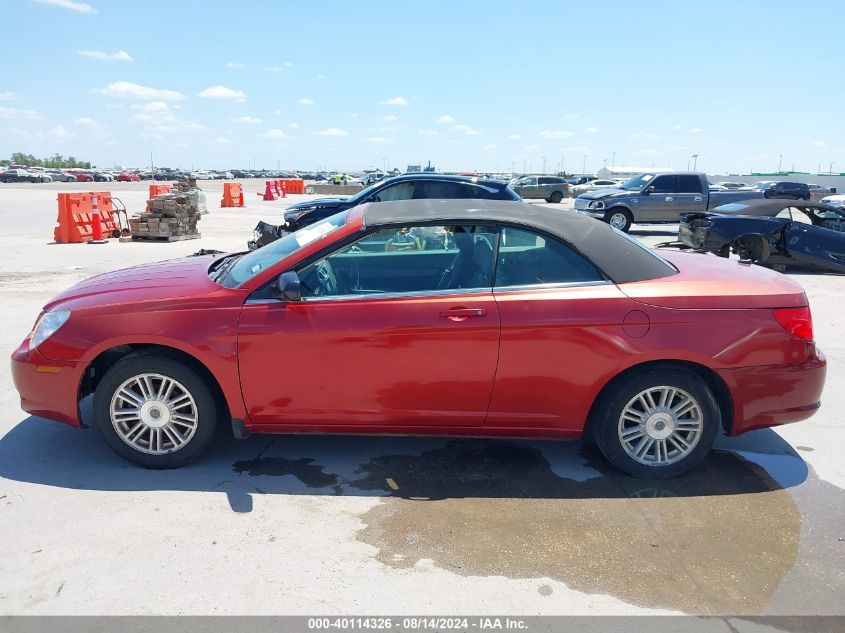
(796, 321)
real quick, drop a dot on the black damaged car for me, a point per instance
(774, 233)
(412, 186)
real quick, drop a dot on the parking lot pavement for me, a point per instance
(363, 525)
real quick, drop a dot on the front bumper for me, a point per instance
(581, 206)
(48, 389)
(771, 395)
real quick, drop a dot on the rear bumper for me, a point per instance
(771, 395)
(48, 389)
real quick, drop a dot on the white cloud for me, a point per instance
(466, 130)
(117, 56)
(380, 140)
(321, 77)
(288, 64)
(60, 132)
(293, 125)
(274, 133)
(84, 120)
(171, 126)
(306, 101)
(245, 119)
(696, 130)
(643, 136)
(222, 140)
(556, 134)
(152, 106)
(223, 92)
(394, 101)
(446, 119)
(128, 90)
(390, 117)
(514, 137)
(677, 127)
(490, 146)
(82, 7)
(571, 115)
(15, 113)
(649, 152)
(429, 132)
(332, 131)
(274, 69)
(235, 65)
(532, 147)
(591, 130)
(8, 96)
(818, 143)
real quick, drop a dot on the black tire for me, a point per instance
(207, 411)
(753, 248)
(556, 197)
(619, 395)
(614, 215)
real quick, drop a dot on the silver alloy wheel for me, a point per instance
(154, 414)
(660, 425)
(618, 221)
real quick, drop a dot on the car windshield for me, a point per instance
(361, 195)
(635, 183)
(234, 270)
(762, 185)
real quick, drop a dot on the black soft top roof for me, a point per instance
(766, 207)
(622, 259)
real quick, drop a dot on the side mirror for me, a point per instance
(648, 190)
(287, 287)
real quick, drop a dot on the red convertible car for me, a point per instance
(459, 317)
(126, 176)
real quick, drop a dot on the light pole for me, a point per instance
(694, 161)
(780, 160)
(544, 164)
(613, 161)
(584, 166)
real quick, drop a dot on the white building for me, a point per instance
(611, 173)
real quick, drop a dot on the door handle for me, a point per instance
(462, 314)
(669, 198)
(698, 198)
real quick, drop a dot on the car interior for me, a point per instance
(429, 258)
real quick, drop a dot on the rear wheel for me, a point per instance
(556, 197)
(657, 422)
(619, 218)
(752, 248)
(155, 411)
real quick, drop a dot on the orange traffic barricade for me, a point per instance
(157, 190)
(294, 185)
(233, 195)
(74, 224)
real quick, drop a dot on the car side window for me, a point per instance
(546, 181)
(663, 184)
(785, 214)
(800, 216)
(405, 259)
(528, 258)
(399, 191)
(689, 184)
(439, 189)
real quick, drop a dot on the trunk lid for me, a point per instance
(708, 282)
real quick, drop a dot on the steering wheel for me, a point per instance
(327, 280)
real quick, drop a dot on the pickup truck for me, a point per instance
(656, 199)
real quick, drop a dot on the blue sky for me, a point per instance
(468, 85)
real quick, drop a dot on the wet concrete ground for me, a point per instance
(307, 524)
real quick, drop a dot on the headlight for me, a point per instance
(596, 204)
(46, 326)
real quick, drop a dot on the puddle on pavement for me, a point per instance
(719, 540)
(305, 470)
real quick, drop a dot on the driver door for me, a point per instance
(399, 329)
(659, 205)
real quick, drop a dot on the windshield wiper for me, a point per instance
(223, 267)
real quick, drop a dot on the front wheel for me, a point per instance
(155, 411)
(619, 218)
(657, 423)
(556, 197)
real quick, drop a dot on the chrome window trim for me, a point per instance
(551, 286)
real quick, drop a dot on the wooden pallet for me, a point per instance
(164, 238)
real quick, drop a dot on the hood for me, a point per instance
(176, 278)
(599, 194)
(319, 202)
(709, 282)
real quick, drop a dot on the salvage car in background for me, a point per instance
(549, 188)
(431, 317)
(776, 233)
(835, 200)
(577, 190)
(414, 186)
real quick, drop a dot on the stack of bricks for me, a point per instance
(171, 216)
